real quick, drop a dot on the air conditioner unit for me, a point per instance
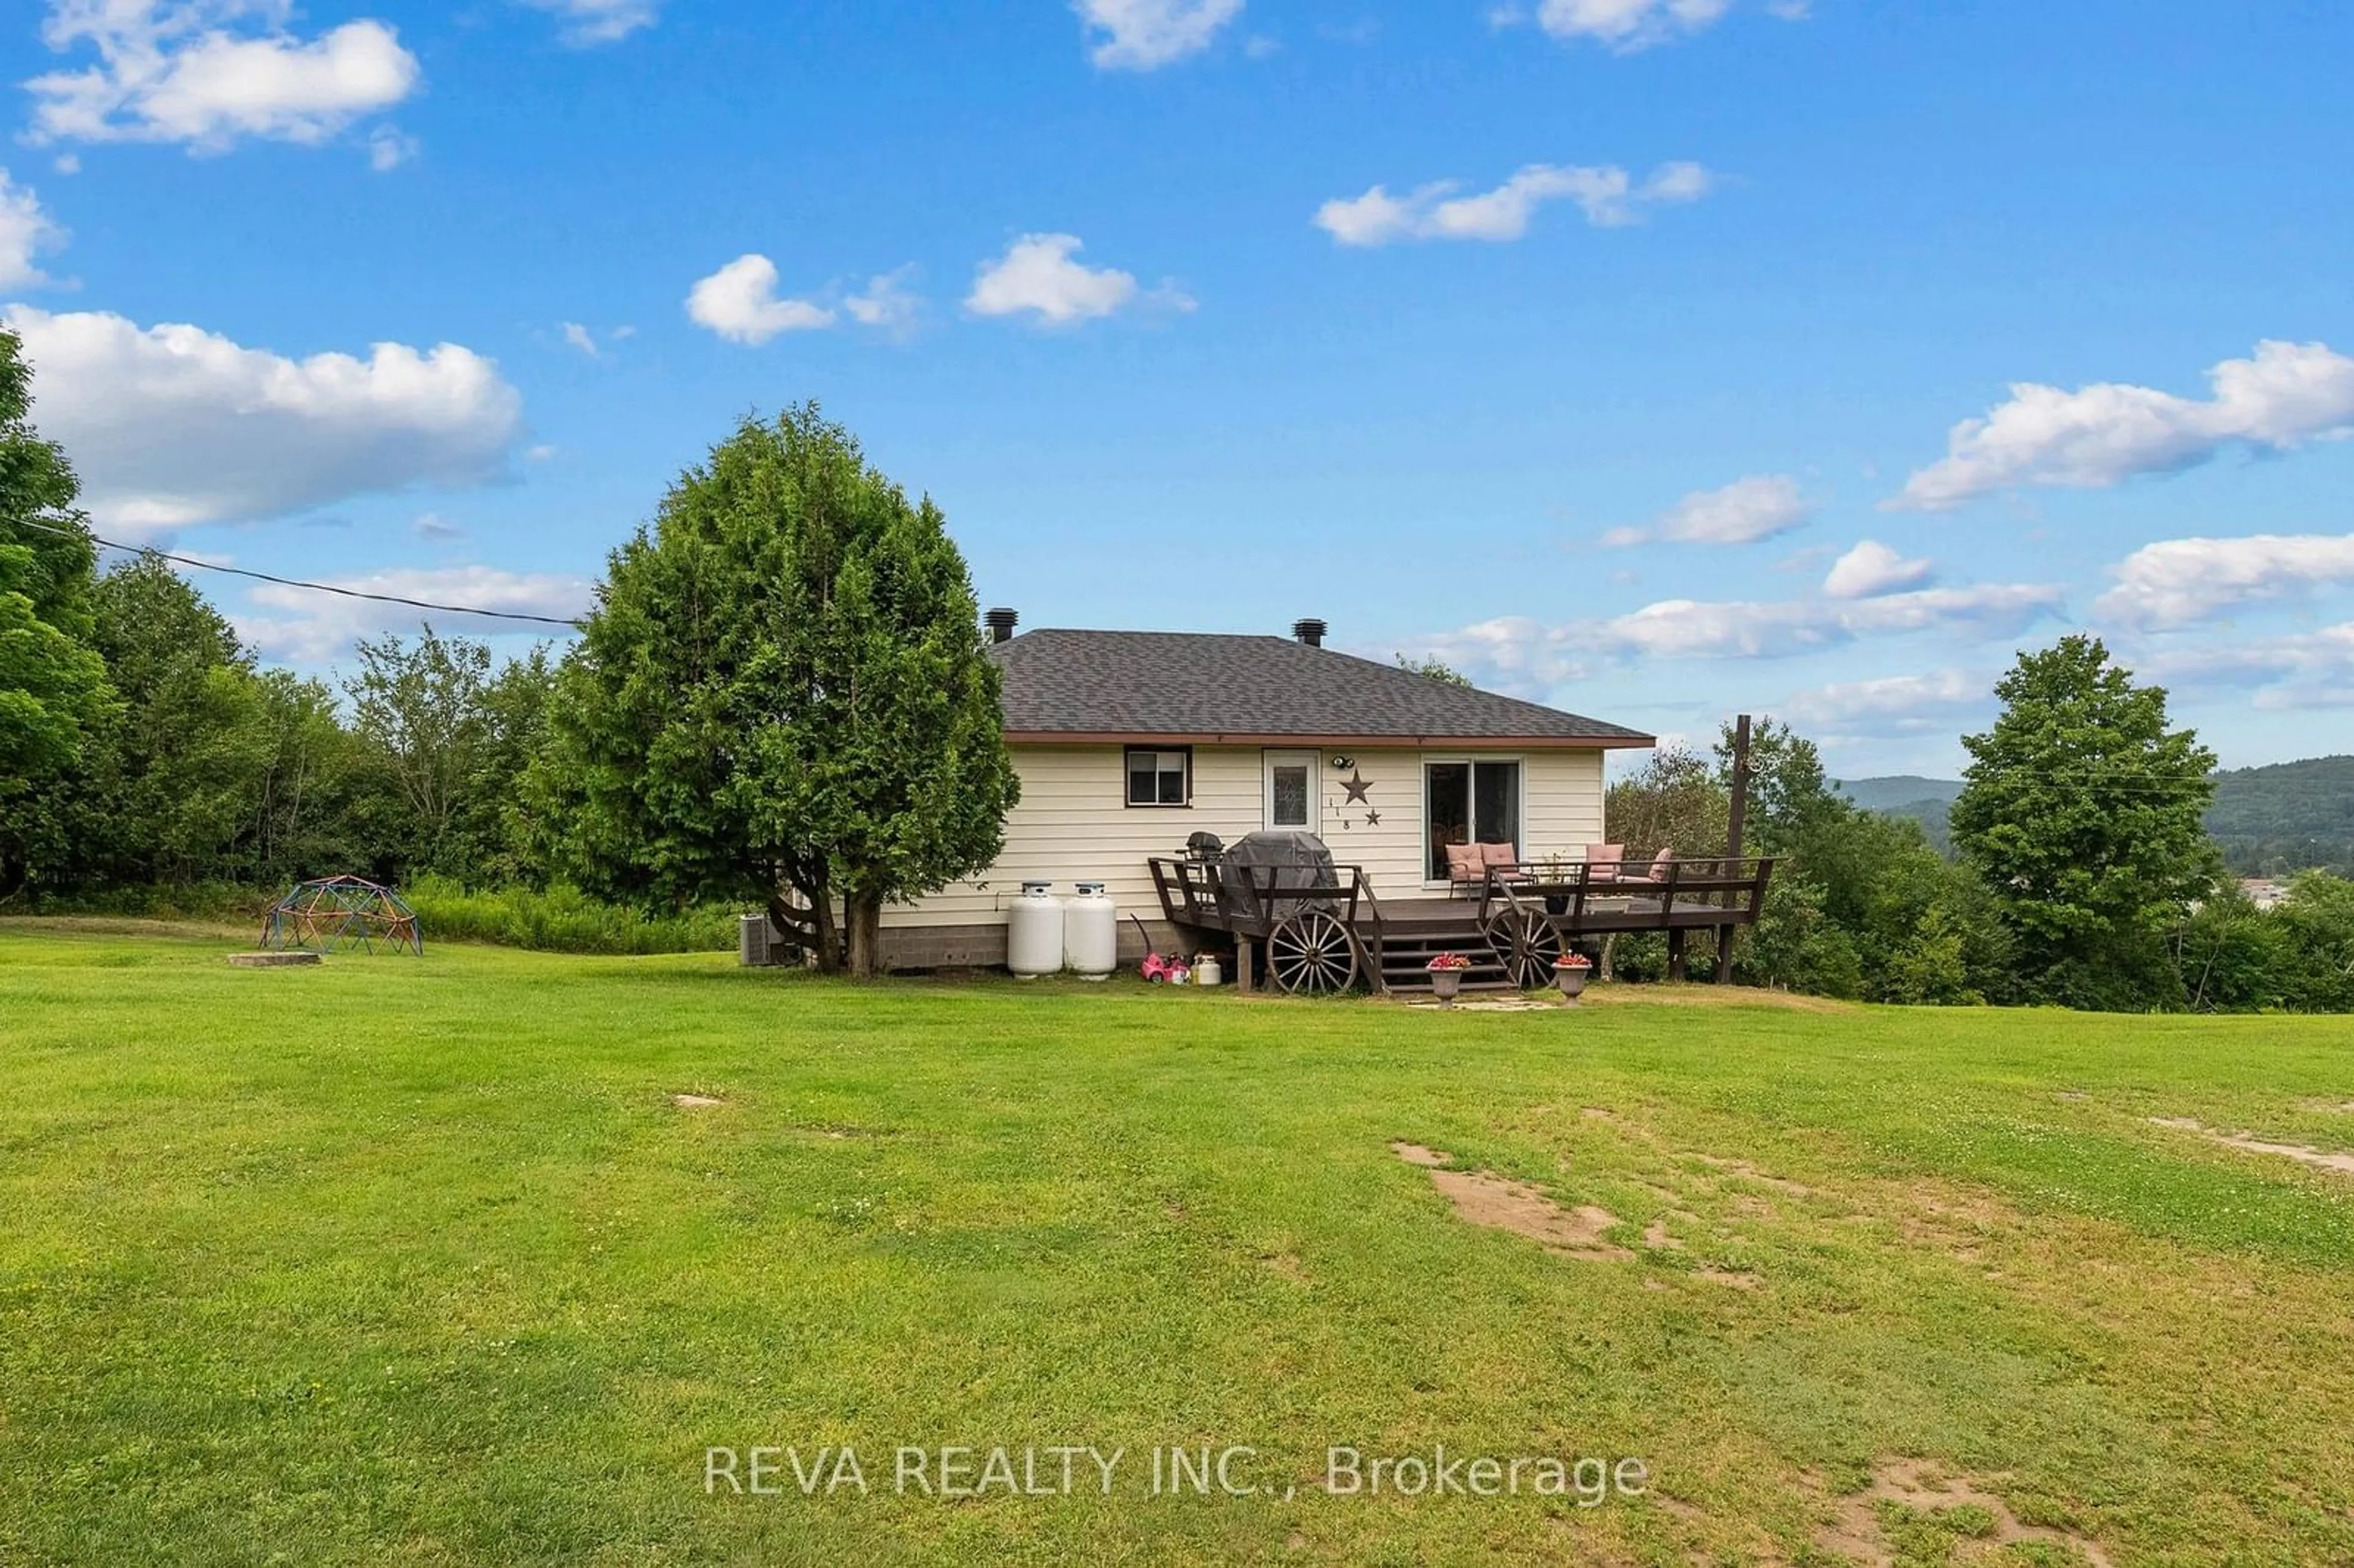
(755, 941)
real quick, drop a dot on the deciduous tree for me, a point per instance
(53, 689)
(2081, 810)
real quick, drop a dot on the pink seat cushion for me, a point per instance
(1503, 856)
(1659, 866)
(1605, 858)
(1465, 863)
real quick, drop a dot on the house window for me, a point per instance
(1470, 803)
(1160, 778)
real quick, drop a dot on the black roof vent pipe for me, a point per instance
(1310, 631)
(1001, 623)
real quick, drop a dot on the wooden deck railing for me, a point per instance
(1725, 892)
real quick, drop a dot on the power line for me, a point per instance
(298, 583)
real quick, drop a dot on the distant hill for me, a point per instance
(1925, 801)
(2287, 817)
(1901, 793)
(2291, 816)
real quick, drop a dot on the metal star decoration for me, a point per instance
(1356, 786)
(1372, 819)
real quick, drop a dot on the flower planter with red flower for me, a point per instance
(1571, 972)
(1446, 975)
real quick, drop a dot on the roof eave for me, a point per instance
(1421, 742)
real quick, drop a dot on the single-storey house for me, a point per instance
(1129, 743)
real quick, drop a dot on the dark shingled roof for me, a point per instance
(1181, 684)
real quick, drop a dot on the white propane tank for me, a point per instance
(1033, 932)
(1091, 932)
(1209, 972)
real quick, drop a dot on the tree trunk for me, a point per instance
(813, 928)
(865, 919)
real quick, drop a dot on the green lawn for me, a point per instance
(418, 1262)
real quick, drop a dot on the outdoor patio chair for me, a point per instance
(1469, 866)
(1502, 862)
(1467, 869)
(1605, 862)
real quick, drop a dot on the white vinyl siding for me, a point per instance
(1074, 822)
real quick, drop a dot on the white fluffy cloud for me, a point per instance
(1686, 628)
(2098, 436)
(211, 72)
(1936, 702)
(1038, 276)
(1145, 35)
(2176, 582)
(172, 426)
(389, 147)
(1517, 654)
(2299, 671)
(1608, 195)
(26, 231)
(588, 22)
(886, 303)
(1511, 653)
(306, 627)
(1631, 25)
(1743, 513)
(1872, 569)
(740, 302)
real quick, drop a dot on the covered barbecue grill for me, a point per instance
(1282, 884)
(1277, 858)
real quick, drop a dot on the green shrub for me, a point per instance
(191, 901)
(561, 920)
(1796, 944)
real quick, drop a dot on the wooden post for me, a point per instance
(1737, 823)
(1676, 954)
(1243, 965)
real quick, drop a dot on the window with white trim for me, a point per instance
(1160, 778)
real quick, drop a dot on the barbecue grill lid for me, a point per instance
(1293, 847)
(1297, 859)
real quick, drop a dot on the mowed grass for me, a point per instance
(418, 1262)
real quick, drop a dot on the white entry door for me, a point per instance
(1292, 790)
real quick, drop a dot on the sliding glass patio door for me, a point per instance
(1469, 802)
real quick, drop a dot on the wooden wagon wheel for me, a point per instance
(1526, 944)
(1311, 954)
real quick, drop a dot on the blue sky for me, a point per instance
(1612, 349)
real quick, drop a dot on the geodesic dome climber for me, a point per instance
(341, 914)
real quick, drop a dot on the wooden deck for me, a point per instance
(1328, 936)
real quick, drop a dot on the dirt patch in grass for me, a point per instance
(1499, 1002)
(1914, 1503)
(1743, 1168)
(1960, 1224)
(696, 1102)
(2320, 1159)
(1287, 1264)
(1484, 1198)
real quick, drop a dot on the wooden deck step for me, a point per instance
(1406, 955)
